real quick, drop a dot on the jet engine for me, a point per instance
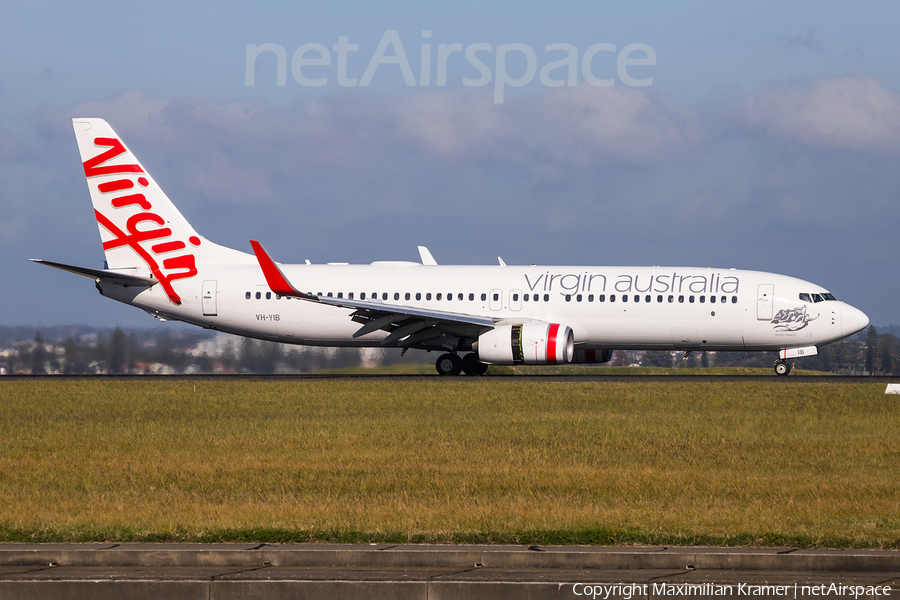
(531, 343)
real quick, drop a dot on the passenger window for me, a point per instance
(247, 295)
(350, 295)
(525, 298)
(546, 297)
(428, 296)
(590, 297)
(459, 297)
(329, 294)
(483, 297)
(612, 297)
(691, 299)
(472, 297)
(396, 295)
(258, 295)
(624, 297)
(681, 299)
(268, 295)
(724, 299)
(647, 298)
(515, 297)
(362, 296)
(637, 298)
(418, 295)
(659, 298)
(578, 298)
(496, 297)
(384, 295)
(340, 294)
(568, 297)
(450, 296)
(734, 299)
(602, 297)
(671, 299)
(407, 296)
(712, 299)
(439, 296)
(702, 299)
(805, 298)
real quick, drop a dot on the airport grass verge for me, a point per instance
(765, 463)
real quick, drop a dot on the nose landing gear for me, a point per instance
(782, 367)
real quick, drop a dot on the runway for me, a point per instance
(600, 378)
(227, 571)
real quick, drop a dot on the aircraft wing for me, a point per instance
(409, 326)
(98, 274)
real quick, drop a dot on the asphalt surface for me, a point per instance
(497, 378)
(326, 571)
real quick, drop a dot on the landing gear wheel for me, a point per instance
(782, 367)
(448, 364)
(472, 366)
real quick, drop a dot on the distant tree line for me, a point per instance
(867, 352)
(138, 351)
(83, 350)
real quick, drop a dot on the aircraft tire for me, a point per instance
(782, 367)
(472, 366)
(448, 364)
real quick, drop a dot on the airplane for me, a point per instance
(474, 316)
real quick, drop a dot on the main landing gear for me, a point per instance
(452, 364)
(782, 367)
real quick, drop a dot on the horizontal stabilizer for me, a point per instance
(97, 274)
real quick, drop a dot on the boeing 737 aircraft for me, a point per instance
(474, 315)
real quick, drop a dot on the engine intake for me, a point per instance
(532, 343)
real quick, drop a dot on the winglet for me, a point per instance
(276, 280)
(427, 258)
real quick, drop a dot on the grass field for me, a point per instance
(462, 460)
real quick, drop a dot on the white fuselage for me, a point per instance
(640, 308)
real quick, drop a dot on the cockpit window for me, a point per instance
(817, 297)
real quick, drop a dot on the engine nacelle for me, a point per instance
(592, 357)
(532, 343)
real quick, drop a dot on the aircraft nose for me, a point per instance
(852, 320)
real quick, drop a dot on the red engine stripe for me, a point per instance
(551, 343)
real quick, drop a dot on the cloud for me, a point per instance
(853, 113)
(238, 151)
(568, 127)
(11, 146)
(810, 40)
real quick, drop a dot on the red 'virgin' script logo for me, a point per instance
(184, 265)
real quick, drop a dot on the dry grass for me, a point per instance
(450, 460)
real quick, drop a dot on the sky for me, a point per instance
(758, 135)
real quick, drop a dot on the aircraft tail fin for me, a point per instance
(139, 226)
